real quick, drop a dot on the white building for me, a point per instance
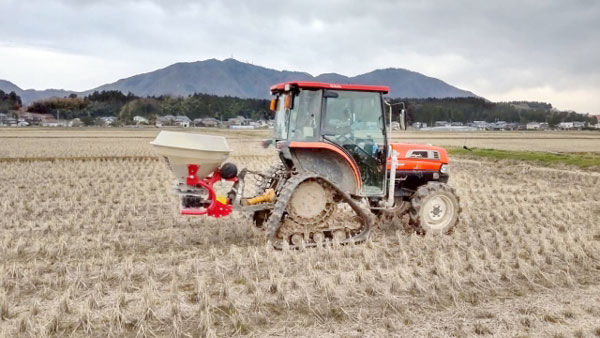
(182, 121)
(206, 122)
(566, 125)
(106, 121)
(140, 120)
(54, 123)
(498, 125)
(481, 125)
(76, 122)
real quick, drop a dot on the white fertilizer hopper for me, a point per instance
(181, 149)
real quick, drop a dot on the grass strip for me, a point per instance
(582, 160)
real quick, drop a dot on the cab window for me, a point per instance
(305, 116)
(281, 119)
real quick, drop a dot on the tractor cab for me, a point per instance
(331, 128)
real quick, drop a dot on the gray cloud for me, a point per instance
(541, 49)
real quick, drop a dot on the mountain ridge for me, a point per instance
(231, 77)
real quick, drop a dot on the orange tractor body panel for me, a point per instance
(408, 158)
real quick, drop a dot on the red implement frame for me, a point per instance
(215, 209)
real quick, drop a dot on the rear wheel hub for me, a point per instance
(310, 203)
(438, 212)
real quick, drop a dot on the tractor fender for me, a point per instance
(329, 162)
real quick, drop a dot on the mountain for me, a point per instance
(31, 95)
(227, 77)
(8, 87)
(234, 78)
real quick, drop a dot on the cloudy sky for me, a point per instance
(542, 50)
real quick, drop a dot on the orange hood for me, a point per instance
(419, 156)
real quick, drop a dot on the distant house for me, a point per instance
(441, 124)
(76, 122)
(512, 126)
(166, 120)
(256, 124)
(182, 121)
(239, 121)
(206, 122)
(566, 125)
(482, 125)
(533, 126)
(54, 123)
(7, 120)
(597, 125)
(572, 125)
(106, 121)
(499, 125)
(34, 118)
(140, 120)
(456, 124)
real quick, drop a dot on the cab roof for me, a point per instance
(280, 87)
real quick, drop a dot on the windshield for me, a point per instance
(354, 120)
(358, 117)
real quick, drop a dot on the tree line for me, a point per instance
(9, 102)
(471, 109)
(430, 110)
(125, 107)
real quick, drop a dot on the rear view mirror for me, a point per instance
(403, 119)
(273, 105)
(402, 114)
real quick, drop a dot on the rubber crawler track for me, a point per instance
(274, 222)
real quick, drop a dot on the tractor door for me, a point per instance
(354, 120)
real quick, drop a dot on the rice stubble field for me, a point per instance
(91, 244)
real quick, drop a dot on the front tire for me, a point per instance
(435, 208)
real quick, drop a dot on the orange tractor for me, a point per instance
(336, 171)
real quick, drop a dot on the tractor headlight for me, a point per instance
(444, 169)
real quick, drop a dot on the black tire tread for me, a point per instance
(423, 192)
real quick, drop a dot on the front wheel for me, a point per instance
(434, 208)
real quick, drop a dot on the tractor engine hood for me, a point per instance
(419, 156)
